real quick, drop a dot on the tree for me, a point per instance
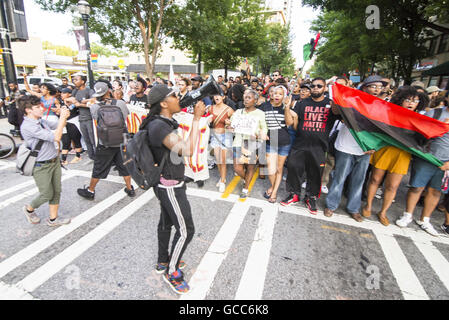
(60, 50)
(101, 50)
(138, 25)
(274, 51)
(222, 31)
(349, 44)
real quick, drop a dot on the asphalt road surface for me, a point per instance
(241, 250)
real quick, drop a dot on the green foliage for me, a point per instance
(104, 51)
(223, 31)
(349, 45)
(274, 51)
(60, 50)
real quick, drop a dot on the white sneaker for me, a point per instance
(221, 187)
(404, 220)
(324, 190)
(304, 184)
(379, 194)
(427, 227)
(59, 221)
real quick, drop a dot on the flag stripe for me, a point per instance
(384, 112)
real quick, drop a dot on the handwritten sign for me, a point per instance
(244, 124)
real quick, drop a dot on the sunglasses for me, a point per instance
(376, 87)
(260, 90)
(319, 86)
(412, 101)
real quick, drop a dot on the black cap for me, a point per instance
(66, 90)
(158, 93)
(197, 78)
(305, 85)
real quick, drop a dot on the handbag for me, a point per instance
(26, 158)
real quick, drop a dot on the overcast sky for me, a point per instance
(55, 27)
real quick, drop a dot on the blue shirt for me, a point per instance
(35, 130)
(439, 147)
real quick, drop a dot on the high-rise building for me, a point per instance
(283, 7)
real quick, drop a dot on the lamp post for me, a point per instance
(84, 10)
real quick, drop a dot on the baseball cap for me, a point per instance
(66, 90)
(433, 89)
(197, 78)
(158, 93)
(305, 85)
(418, 84)
(100, 88)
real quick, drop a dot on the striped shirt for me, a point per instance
(274, 116)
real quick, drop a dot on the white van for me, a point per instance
(37, 80)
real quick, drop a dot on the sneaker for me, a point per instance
(445, 228)
(311, 204)
(59, 221)
(290, 200)
(244, 195)
(324, 190)
(211, 166)
(178, 284)
(200, 183)
(162, 266)
(85, 193)
(221, 187)
(379, 193)
(131, 192)
(284, 177)
(304, 185)
(31, 216)
(427, 227)
(75, 160)
(404, 220)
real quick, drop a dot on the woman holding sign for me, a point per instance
(250, 130)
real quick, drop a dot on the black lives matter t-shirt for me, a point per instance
(158, 129)
(315, 121)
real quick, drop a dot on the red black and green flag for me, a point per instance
(375, 123)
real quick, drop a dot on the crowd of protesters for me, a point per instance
(320, 156)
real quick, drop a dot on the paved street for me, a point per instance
(241, 250)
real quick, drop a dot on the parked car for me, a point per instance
(37, 80)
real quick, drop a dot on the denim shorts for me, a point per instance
(221, 140)
(425, 174)
(280, 150)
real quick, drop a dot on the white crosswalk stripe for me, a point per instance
(250, 283)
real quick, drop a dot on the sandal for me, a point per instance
(267, 195)
(272, 200)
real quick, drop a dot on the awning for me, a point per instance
(439, 70)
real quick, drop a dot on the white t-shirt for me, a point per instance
(346, 143)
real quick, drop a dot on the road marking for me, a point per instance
(28, 193)
(38, 246)
(336, 229)
(10, 292)
(231, 187)
(56, 264)
(7, 166)
(436, 260)
(16, 187)
(203, 278)
(253, 279)
(251, 184)
(406, 278)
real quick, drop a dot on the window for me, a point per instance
(433, 81)
(425, 80)
(433, 45)
(444, 81)
(444, 43)
(18, 6)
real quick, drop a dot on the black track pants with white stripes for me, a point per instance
(175, 211)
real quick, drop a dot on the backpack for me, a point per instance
(140, 162)
(110, 124)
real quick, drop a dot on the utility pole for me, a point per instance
(5, 44)
(199, 62)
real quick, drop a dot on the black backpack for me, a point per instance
(110, 124)
(139, 160)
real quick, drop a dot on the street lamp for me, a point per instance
(84, 9)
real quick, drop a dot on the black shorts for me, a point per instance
(104, 159)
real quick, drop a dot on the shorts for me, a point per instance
(221, 140)
(280, 150)
(425, 174)
(104, 159)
